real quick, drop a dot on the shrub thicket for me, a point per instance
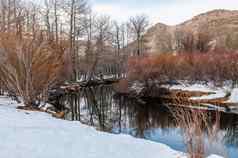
(29, 67)
(211, 67)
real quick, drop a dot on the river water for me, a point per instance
(102, 108)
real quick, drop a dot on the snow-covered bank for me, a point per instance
(216, 92)
(216, 95)
(234, 96)
(193, 87)
(27, 134)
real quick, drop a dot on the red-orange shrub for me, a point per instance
(29, 67)
(213, 66)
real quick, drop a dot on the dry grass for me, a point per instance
(196, 125)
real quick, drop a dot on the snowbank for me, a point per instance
(217, 92)
(234, 96)
(27, 134)
(193, 87)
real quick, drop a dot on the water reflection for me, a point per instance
(210, 131)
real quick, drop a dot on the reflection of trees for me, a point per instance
(99, 107)
(98, 101)
(231, 128)
(147, 116)
(74, 102)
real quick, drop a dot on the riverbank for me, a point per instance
(36, 134)
(210, 95)
(183, 94)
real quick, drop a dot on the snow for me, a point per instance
(45, 106)
(35, 135)
(234, 96)
(214, 156)
(217, 94)
(137, 87)
(192, 87)
(27, 134)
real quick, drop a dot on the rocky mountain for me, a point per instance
(218, 27)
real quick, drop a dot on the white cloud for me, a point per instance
(117, 12)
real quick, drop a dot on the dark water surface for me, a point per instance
(151, 120)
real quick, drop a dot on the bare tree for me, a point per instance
(102, 36)
(34, 23)
(88, 33)
(47, 19)
(56, 7)
(3, 15)
(117, 37)
(119, 44)
(138, 25)
(11, 14)
(75, 9)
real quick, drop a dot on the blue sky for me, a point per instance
(166, 11)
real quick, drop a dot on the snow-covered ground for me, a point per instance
(193, 87)
(234, 96)
(27, 134)
(217, 92)
(220, 93)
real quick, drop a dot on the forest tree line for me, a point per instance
(45, 44)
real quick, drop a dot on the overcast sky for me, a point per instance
(166, 11)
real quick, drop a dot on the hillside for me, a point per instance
(220, 25)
